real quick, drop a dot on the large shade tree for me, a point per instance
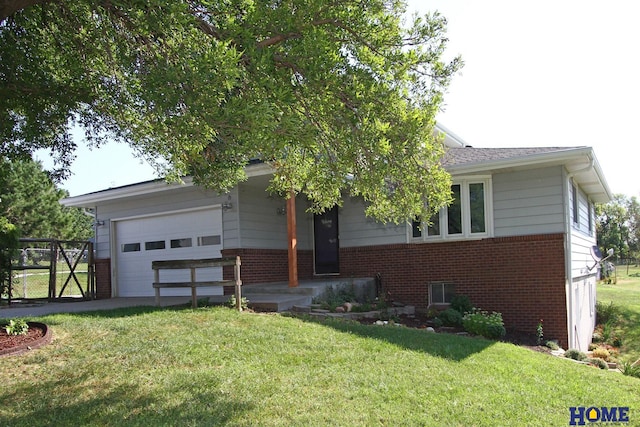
(338, 96)
(618, 226)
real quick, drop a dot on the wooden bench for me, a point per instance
(193, 265)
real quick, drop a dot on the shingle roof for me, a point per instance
(471, 155)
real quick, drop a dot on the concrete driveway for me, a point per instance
(42, 309)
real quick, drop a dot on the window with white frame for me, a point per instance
(441, 293)
(467, 216)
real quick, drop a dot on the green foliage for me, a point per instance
(489, 325)
(629, 369)
(597, 362)
(9, 245)
(450, 317)
(540, 332)
(30, 200)
(461, 303)
(552, 345)
(232, 302)
(575, 354)
(337, 100)
(17, 327)
(618, 226)
(336, 296)
(607, 313)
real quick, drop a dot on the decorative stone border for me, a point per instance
(23, 348)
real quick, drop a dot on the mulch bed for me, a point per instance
(37, 336)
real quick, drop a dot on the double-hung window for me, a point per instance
(468, 215)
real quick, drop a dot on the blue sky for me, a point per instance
(544, 73)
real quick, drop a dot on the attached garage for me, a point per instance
(186, 234)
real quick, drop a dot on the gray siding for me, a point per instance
(528, 202)
(358, 230)
(263, 224)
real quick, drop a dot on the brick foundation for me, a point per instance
(521, 277)
(103, 278)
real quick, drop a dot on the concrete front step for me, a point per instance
(267, 302)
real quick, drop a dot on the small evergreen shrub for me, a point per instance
(488, 325)
(461, 303)
(231, 303)
(450, 317)
(575, 354)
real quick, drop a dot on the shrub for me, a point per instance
(461, 303)
(552, 345)
(489, 325)
(601, 353)
(606, 313)
(575, 354)
(598, 363)
(231, 303)
(450, 317)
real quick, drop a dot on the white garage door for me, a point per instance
(182, 235)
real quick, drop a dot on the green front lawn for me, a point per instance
(215, 366)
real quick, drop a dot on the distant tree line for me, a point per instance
(618, 226)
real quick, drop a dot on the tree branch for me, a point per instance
(10, 7)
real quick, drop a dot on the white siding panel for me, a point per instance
(528, 202)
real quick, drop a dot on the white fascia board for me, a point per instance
(133, 190)
(451, 140)
(150, 187)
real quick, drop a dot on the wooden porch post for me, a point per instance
(293, 242)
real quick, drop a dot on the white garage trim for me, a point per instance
(128, 272)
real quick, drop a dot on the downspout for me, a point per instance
(571, 327)
(567, 262)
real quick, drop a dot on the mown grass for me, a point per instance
(214, 366)
(625, 295)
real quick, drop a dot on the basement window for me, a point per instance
(441, 293)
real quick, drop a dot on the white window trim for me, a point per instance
(466, 214)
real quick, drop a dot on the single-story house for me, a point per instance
(518, 238)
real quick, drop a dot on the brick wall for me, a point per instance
(103, 278)
(521, 277)
(266, 265)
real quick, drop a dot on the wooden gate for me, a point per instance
(59, 259)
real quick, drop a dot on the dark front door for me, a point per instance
(326, 243)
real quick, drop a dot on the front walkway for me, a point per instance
(264, 297)
(44, 308)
